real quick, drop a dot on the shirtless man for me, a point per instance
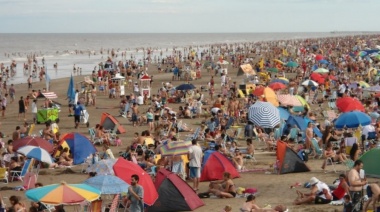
(231, 107)
(47, 133)
(135, 113)
(355, 182)
(309, 135)
(164, 96)
(238, 160)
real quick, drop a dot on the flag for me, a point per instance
(71, 89)
(47, 79)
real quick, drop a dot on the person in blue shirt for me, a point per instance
(77, 113)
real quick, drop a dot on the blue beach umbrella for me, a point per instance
(352, 119)
(298, 121)
(108, 184)
(284, 113)
(324, 62)
(37, 153)
(185, 87)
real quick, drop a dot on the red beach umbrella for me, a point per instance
(277, 86)
(347, 104)
(259, 91)
(33, 141)
(318, 57)
(125, 169)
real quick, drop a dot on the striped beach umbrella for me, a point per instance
(63, 193)
(37, 153)
(310, 83)
(264, 114)
(289, 100)
(175, 148)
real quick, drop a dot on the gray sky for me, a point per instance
(186, 16)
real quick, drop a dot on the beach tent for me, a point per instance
(206, 155)
(79, 145)
(288, 160)
(215, 166)
(370, 160)
(246, 69)
(174, 194)
(109, 122)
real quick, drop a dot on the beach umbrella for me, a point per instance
(63, 193)
(175, 148)
(107, 184)
(352, 119)
(71, 89)
(303, 101)
(79, 145)
(310, 83)
(268, 93)
(278, 61)
(321, 70)
(362, 53)
(285, 82)
(185, 87)
(364, 84)
(264, 114)
(297, 121)
(277, 86)
(273, 70)
(288, 100)
(125, 169)
(284, 113)
(318, 57)
(33, 141)
(37, 153)
(102, 167)
(324, 62)
(346, 104)
(375, 88)
(292, 64)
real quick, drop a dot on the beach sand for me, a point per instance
(273, 189)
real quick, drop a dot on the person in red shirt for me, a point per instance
(342, 188)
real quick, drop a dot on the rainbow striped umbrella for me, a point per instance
(175, 148)
(63, 193)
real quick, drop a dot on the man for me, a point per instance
(250, 148)
(319, 194)
(4, 105)
(16, 134)
(309, 135)
(135, 113)
(135, 195)
(77, 113)
(195, 157)
(356, 183)
(21, 108)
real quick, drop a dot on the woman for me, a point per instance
(373, 193)
(251, 206)
(355, 152)
(17, 206)
(149, 117)
(93, 94)
(330, 153)
(328, 135)
(14, 165)
(223, 188)
(64, 158)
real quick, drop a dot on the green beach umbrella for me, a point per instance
(321, 70)
(292, 64)
(273, 70)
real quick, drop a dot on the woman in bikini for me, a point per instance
(17, 206)
(64, 158)
(224, 188)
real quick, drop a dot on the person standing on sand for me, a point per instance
(21, 107)
(356, 183)
(30, 80)
(12, 92)
(135, 195)
(309, 135)
(195, 157)
(135, 112)
(4, 105)
(77, 113)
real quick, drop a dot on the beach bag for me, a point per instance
(250, 191)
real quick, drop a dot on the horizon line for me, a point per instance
(335, 31)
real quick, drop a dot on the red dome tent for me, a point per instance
(215, 166)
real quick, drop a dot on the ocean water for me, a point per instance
(61, 48)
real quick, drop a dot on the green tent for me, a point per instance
(371, 162)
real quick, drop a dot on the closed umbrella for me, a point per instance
(63, 193)
(352, 119)
(108, 184)
(37, 153)
(264, 114)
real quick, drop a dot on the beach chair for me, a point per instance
(93, 137)
(317, 150)
(349, 164)
(294, 134)
(4, 175)
(277, 134)
(349, 142)
(31, 128)
(195, 135)
(20, 174)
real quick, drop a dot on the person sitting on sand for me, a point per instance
(238, 160)
(251, 206)
(64, 158)
(319, 194)
(223, 188)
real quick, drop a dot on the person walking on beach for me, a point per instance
(30, 82)
(21, 107)
(77, 113)
(309, 135)
(195, 157)
(34, 110)
(12, 92)
(4, 105)
(135, 195)
(135, 113)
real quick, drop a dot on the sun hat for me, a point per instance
(313, 181)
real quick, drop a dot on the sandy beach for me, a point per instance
(273, 189)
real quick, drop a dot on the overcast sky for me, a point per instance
(186, 16)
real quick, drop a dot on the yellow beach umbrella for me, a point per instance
(364, 84)
(278, 61)
(271, 96)
(283, 78)
(303, 101)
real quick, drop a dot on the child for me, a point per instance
(347, 205)
(228, 208)
(117, 141)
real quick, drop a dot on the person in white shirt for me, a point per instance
(34, 110)
(320, 193)
(342, 89)
(195, 157)
(140, 100)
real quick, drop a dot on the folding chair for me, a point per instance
(4, 174)
(317, 150)
(20, 174)
(294, 134)
(195, 135)
(93, 137)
